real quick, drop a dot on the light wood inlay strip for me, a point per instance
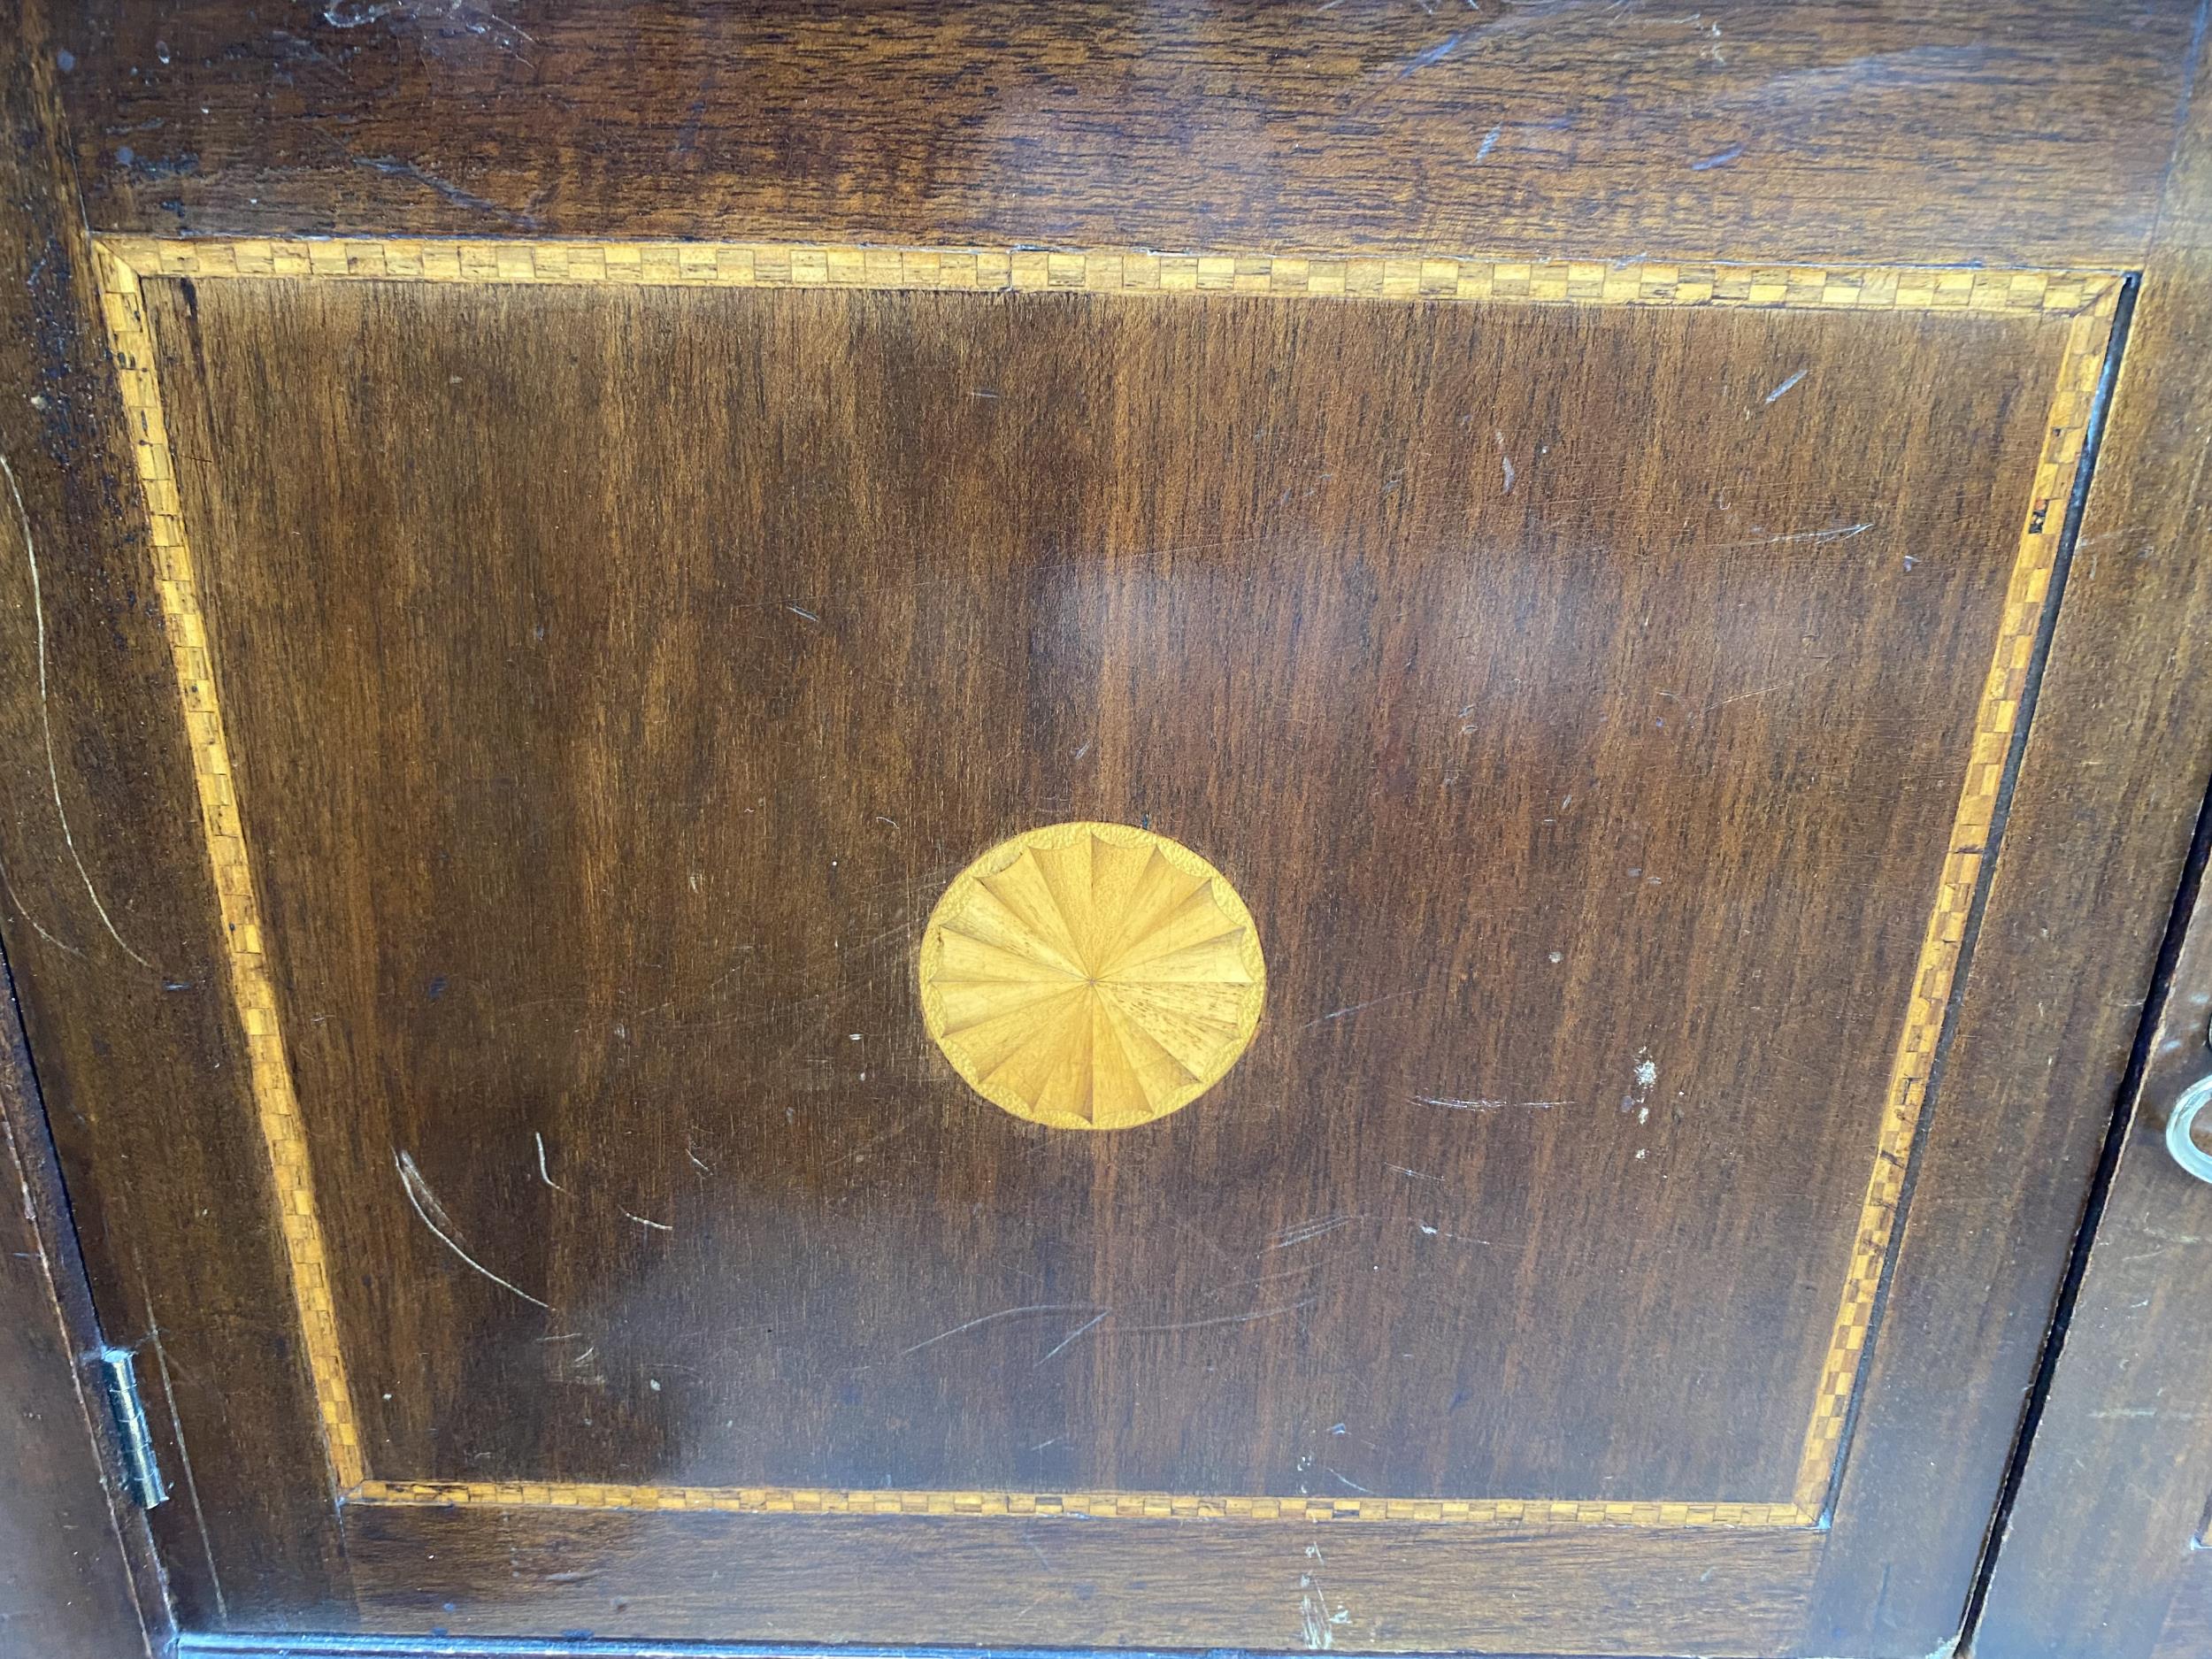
(2088, 296)
(252, 991)
(1097, 1505)
(1035, 271)
(2065, 431)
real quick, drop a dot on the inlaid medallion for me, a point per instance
(1091, 976)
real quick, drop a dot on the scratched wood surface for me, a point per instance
(1819, 134)
(2022, 132)
(596, 823)
(1157, 1584)
(110, 922)
(75, 1561)
(67, 1568)
(2106, 1541)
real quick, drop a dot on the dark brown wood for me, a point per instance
(76, 1564)
(2102, 1525)
(108, 916)
(1017, 561)
(614, 677)
(2102, 1537)
(1403, 1589)
(923, 570)
(2005, 133)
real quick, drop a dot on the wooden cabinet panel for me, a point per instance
(575, 838)
(1583, 817)
(2013, 133)
(2104, 1550)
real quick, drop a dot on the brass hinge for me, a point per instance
(142, 1473)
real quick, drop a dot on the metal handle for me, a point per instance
(2183, 1145)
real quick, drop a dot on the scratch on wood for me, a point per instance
(542, 1174)
(1485, 1105)
(424, 1202)
(46, 727)
(1004, 1313)
(1061, 1346)
(1356, 1007)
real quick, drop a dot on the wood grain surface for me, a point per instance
(109, 919)
(602, 817)
(72, 1567)
(2005, 133)
(76, 1566)
(2098, 830)
(1379, 1589)
(2098, 1565)
(1427, 625)
(2114, 1565)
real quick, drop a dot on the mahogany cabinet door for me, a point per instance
(2102, 1552)
(1084, 825)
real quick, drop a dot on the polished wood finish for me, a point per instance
(2012, 133)
(109, 907)
(2104, 1549)
(517, 609)
(1391, 1589)
(1118, 395)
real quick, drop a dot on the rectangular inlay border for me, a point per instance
(2089, 299)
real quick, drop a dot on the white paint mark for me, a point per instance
(46, 725)
(176, 1424)
(1314, 1617)
(1647, 1076)
(426, 1203)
